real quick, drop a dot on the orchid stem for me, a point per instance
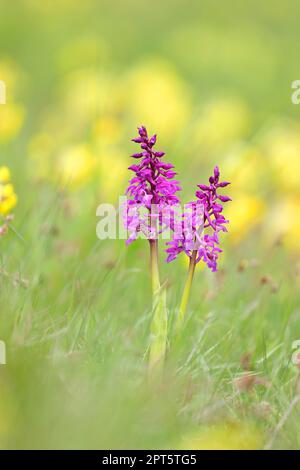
(186, 291)
(158, 342)
(154, 268)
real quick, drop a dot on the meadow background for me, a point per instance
(213, 79)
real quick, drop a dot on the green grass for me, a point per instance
(77, 335)
(75, 312)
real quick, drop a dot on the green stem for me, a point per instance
(158, 342)
(186, 291)
(154, 267)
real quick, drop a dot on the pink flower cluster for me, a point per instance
(152, 206)
(151, 191)
(207, 220)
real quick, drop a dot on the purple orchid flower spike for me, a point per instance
(199, 238)
(206, 213)
(152, 188)
(152, 206)
(150, 193)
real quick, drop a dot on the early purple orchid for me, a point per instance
(151, 192)
(205, 213)
(199, 238)
(152, 188)
(153, 206)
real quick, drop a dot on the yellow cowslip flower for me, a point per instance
(4, 174)
(107, 130)
(246, 165)
(11, 121)
(221, 122)
(282, 147)
(75, 166)
(113, 172)
(244, 212)
(283, 223)
(227, 436)
(8, 198)
(156, 96)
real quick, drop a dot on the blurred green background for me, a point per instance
(213, 79)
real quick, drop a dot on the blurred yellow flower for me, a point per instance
(107, 130)
(12, 117)
(245, 165)
(113, 173)
(244, 212)
(8, 198)
(4, 174)
(282, 145)
(284, 223)
(233, 436)
(221, 122)
(75, 166)
(157, 97)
